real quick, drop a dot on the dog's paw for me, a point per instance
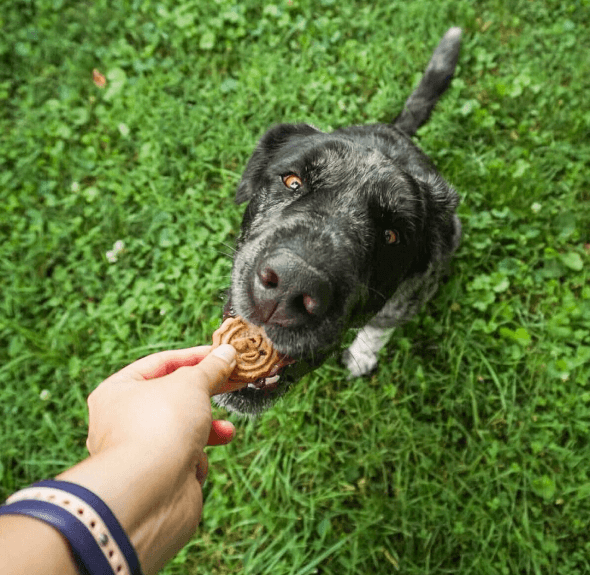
(359, 361)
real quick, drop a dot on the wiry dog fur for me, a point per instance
(349, 229)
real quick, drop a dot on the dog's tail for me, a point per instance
(436, 80)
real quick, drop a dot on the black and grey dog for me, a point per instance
(351, 229)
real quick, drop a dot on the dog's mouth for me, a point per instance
(271, 381)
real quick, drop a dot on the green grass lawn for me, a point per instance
(468, 451)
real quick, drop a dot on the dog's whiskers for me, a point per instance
(218, 251)
(229, 247)
(382, 296)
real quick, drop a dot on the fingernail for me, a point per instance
(225, 352)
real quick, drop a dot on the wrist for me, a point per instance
(157, 504)
(97, 542)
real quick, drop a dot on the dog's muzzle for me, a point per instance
(287, 291)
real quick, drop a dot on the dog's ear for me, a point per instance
(266, 149)
(439, 232)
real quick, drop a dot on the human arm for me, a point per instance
(148, 425)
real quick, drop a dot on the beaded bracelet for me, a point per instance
(98, 542)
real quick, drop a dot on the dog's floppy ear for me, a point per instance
(439, 232)
(267, 147)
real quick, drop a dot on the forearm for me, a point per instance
(146, 501)
(28, 545)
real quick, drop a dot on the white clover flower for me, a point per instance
(123, 129)
(113, 255)
(44, 395)
(536, 207)
(75, 187)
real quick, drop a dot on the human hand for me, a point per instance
(148, 426)
(170, 405)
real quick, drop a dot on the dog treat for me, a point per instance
(256, 357)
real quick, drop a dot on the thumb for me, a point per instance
(216, 368)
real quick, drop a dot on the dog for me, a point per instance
(349, 229)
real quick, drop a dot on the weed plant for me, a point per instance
(468, 451)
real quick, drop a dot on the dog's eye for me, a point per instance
(391, 237)
(292, 181)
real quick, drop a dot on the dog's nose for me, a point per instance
(288, 291)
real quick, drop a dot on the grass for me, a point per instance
(467, 451)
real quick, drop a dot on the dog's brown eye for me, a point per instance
(292, 181)
(391, 237)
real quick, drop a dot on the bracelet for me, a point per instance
(98, 542)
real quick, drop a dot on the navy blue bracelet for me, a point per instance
(98, 542)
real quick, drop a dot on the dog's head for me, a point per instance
(334, 223)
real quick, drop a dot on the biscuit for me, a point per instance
(256, 356)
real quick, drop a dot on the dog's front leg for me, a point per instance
(361, 357)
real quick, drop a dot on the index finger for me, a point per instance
(164, 362)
